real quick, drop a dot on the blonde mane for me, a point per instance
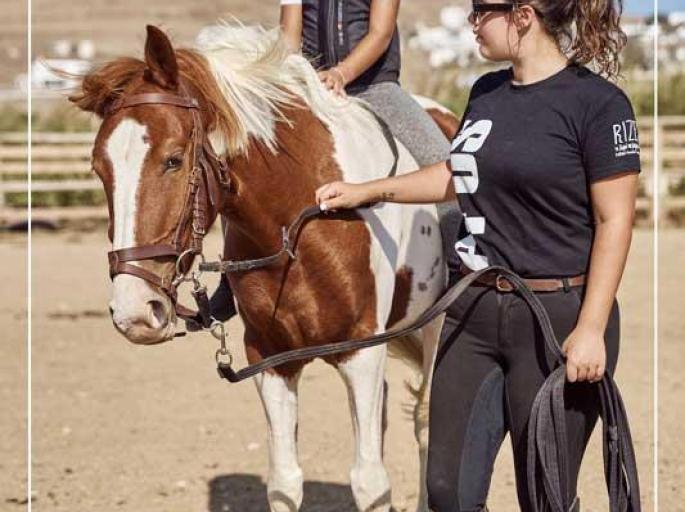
(258, 76)
(248, 78)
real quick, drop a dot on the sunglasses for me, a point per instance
(478, 9)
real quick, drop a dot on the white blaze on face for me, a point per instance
(132, 297)
(126, 149)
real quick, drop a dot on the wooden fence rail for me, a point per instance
(61, 163)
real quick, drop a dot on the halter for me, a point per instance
(207, 177)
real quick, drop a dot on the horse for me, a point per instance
(240, 127)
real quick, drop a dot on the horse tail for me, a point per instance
(407, 349)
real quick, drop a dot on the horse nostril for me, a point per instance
(158, 315)
(111, 311)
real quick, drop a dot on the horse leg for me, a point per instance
(363, 374)
(284, 483)
(430, 337)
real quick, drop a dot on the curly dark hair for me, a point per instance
(586, 30)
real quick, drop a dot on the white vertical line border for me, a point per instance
(29, 109)
(656, 208)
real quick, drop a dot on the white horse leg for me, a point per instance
(284, 483)
(430, 335)
(364, 376)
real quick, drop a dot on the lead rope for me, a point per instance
(547, 457)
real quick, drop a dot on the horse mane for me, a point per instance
(246, 75)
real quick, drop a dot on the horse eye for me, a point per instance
(172, 163)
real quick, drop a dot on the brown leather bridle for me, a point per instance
(208, 177)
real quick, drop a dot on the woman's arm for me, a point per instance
(430, 184)
(291, 25)
(382, 23)
(613, 203)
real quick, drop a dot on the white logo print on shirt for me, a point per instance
(465, 176)
(625, 138)
(464, 168)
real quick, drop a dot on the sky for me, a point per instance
(647, 6)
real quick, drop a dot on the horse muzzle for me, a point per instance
(139, 312)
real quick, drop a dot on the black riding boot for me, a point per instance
(221, 306)
(221, 303)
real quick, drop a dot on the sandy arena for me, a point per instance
(117, 427)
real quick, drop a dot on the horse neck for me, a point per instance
(272, 188)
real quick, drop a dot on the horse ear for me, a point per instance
(160, 58)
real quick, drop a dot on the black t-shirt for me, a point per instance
(522, 163)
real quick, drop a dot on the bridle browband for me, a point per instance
(208, 176)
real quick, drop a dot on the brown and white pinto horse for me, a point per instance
(283, 135)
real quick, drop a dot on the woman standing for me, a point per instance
(545, 170)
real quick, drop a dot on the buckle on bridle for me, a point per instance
(286, 242)
(182, 277)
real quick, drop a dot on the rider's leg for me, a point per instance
(408, 122)
(221, 303)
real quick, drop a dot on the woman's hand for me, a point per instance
(585, 355)
(339, 194)
(334, 79)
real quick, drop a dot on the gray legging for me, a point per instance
(407, 120)
(414, 128)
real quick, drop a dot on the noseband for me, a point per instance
(205, 183)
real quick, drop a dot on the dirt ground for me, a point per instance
(671, 379)
(13, 385)
(118, 427)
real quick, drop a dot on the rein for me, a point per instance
(288, 239)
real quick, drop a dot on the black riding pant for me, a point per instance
(490, 364)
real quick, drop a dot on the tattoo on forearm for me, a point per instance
(387, 196)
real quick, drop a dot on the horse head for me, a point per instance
(163, 180)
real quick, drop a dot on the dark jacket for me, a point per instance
(332, 28)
